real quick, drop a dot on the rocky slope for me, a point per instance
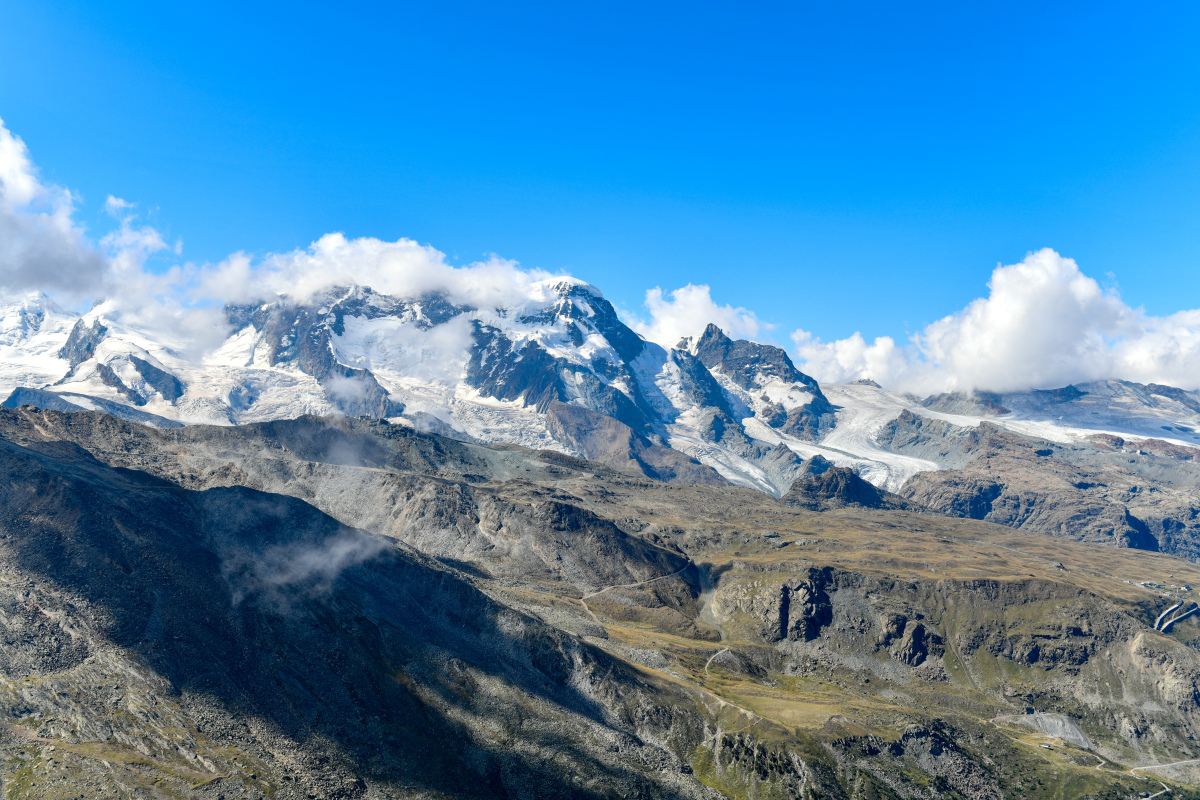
(1101, 488)
(231, 643)
(350, 608)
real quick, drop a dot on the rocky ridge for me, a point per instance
(1104, 489)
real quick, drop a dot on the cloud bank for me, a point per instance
(403, 268)
(44, 249)
(41, 247)
(687, 311)
(1044, 323)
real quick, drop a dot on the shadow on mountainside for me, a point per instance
(350, 659)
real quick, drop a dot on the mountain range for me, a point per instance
(379, 547)
(560, 370)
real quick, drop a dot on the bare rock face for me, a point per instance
(803, 610)
(607, 440)
(166, 384)
(1104, 490)
(751, 366)
(913, 647)
(822, 486)
(81, 344)
(795, 610)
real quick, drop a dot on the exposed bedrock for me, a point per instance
(1027, 645)
(1106, 490)
(820, 486)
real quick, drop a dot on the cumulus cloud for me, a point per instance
(1043, 323)
(403, 268)
(851, 358)
(41, 246)
(1166, 350)
(687, 311)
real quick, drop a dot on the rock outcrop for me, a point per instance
(821, 486)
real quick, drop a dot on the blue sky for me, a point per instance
(833, 167)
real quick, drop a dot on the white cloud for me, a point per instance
(41, 247)
(402, 268)
(1167, 350)
(116, 206)
(850, 359)
(1043, 324)
(688, 311)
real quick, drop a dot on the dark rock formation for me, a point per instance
(750, 365)
(610, 442)
(1064, 394)
(743, 361)
(112, 380)
(82, 341)
(163, 382)
(1088, 491)
(822, 486)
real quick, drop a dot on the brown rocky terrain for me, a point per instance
(347, 608)
(820, 486)
(1138, 493)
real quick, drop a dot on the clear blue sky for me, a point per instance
(832, 166)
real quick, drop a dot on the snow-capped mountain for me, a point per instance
(557, 370)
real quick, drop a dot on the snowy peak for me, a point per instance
(302, 336)
(582, 311)
(523, 373)
(25, 317)
(748, 364)
(766, 382)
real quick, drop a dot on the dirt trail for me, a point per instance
(583, 600)
(1164, 766)
(710, 659)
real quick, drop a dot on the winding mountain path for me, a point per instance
(710, 659)
(583, 600)
(1164, 766)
